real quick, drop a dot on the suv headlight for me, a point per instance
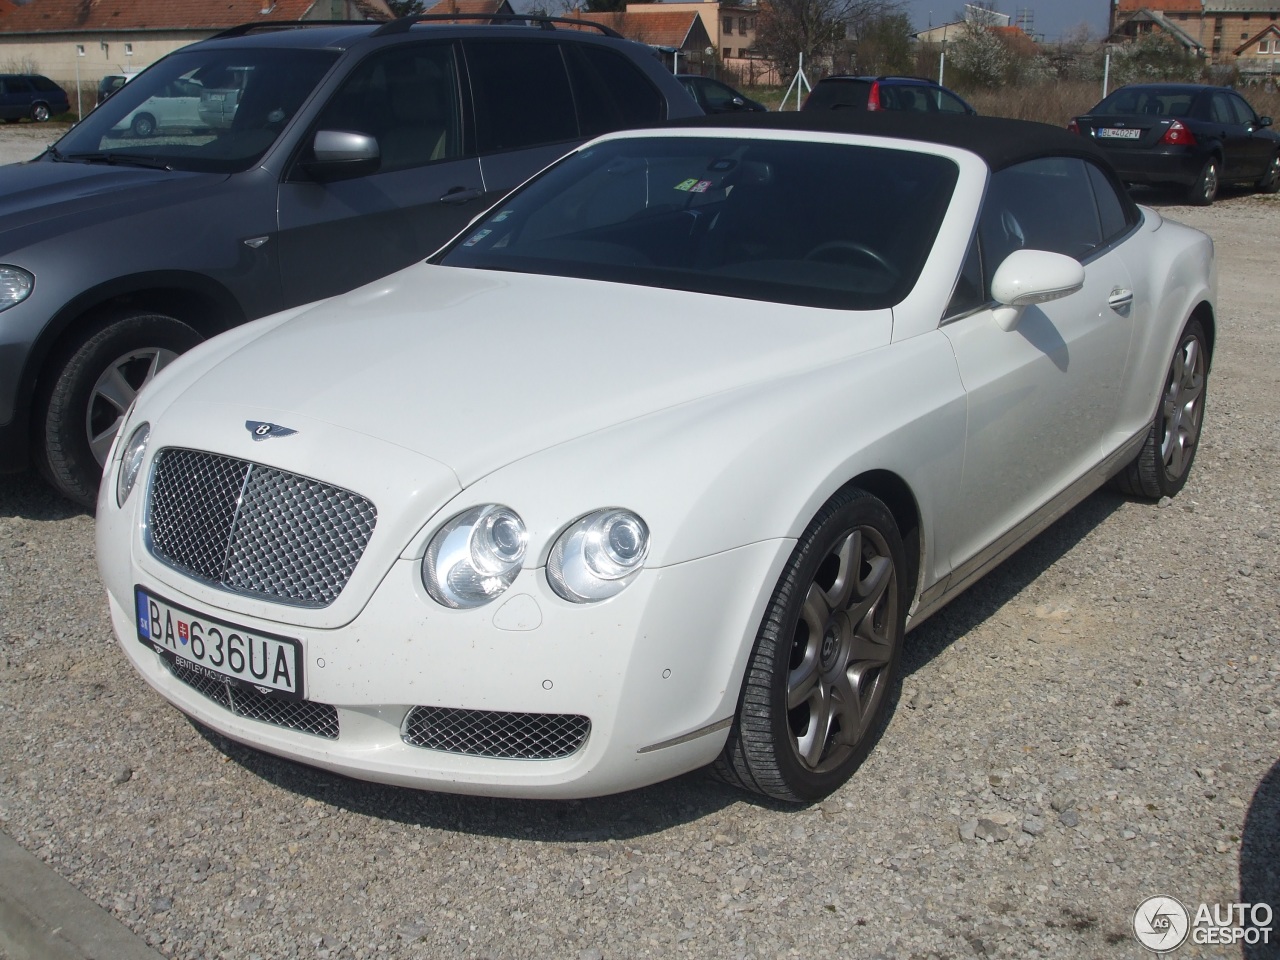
(16, 285)
(598, 555)
(475, 556)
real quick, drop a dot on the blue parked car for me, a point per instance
(30, 95)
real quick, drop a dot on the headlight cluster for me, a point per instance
(477, 555)
(15, 286)
(131, 461)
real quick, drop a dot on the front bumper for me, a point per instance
(656, 670)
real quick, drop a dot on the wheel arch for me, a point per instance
(1203, 312)
(896, 494)
(198, 301)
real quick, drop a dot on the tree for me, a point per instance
(882, 44)
(980, 57)
(787, 29)
(405, 8)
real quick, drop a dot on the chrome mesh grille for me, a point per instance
(318, 719)
(490, 733)
(256, 530)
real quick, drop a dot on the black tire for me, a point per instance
(40, 112)
(81, 403)
(1162, 466)
(1270, 181)
(143, 125)
(1205, 190)
(801, 754)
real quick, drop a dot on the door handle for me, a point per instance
(1120, 299)
(460, 195)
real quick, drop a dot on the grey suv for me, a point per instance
(313, 161)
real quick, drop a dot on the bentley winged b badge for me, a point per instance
(266, 431)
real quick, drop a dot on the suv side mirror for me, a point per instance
(1264, 121)
(342, 155)
(1028, 277)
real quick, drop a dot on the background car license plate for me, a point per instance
(213, 647)
(1111, 133)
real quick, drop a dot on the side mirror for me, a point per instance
(341, 155)
(1264, 121)
(1028, 277)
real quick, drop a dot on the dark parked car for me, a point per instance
(716, 97)
(1186, 135)
(884, 93)
(29, 95)
(111, 83)
(352, 151)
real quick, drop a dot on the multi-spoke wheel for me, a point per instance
(1270, 182)
(1162, 467)
(818, 681)
(1205, 189)
(91, 387)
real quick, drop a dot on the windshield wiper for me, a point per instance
(123, 159)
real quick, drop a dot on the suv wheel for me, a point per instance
(40, 112)
(85, 400)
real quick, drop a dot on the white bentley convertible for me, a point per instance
(656, 464)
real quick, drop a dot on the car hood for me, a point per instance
(476, 369)
(45, 192)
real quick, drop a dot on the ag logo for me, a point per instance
(265, 431)
(1161, 924)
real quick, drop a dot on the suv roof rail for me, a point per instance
(546, 23)
(269, 25)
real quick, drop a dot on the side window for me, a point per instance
(1220, 110)
(507, 116)
(1111, 208)
(948, 103)
(612, 93)
(1243, 112)
(1045, 204)
(406, 97)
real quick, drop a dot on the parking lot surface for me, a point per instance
(1096, 723)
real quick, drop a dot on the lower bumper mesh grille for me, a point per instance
(490, 733)
(317, 719)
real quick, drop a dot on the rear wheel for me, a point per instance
(143, 125)
(1162, 466)
(1205, 189)
(40, 112)
(91, 387)
(818, 681)
(1270, 181)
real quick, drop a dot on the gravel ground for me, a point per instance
(1095, 723)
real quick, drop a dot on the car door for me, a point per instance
(1259, 145)
(1042, 398)
(337, 235)
(1235, 137)
(15, 98)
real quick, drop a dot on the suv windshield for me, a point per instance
(814, 224)
(207, 110)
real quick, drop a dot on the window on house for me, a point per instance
(1264, 46)
(79, 49)
(128, 49)
(1244, 36)
(742, 24)
(728, 25)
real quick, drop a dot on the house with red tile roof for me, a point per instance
(679, 36)
(470, 7)
(7, 6)
(90, 39)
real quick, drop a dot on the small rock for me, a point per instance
(161, 905)
(123, 775)
(1033, 826)
(969, 829)
(1069, 818)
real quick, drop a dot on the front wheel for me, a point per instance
(1270, 181)
(1205, 189)
(143, 125)
(40, 112)
(91, 387)
(1162, 466)
(819, 678)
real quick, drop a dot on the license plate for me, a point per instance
(1112, 133)
(215, 97)
(214, 649)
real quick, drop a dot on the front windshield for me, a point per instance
(216, 110)
(808, 223)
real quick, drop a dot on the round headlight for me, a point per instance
(598, 555)
(475, 556)
(131, 462)
(15, 286)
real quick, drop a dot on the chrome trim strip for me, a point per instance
(701, 732)
(977, 566)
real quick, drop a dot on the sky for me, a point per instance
(1053, 18)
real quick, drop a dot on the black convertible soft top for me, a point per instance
(1000, 142)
